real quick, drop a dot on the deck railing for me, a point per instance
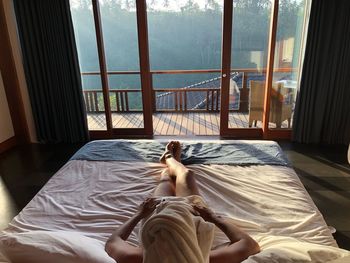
(180, 102)
(120, 102)
(120, 99)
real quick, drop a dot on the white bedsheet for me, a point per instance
(94, 197)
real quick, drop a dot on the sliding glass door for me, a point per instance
(107, 34)
(85, 36)
(185, 58)
(244, 66)
(228, 68)
(119, 28)
(263, 40)
(287, 63)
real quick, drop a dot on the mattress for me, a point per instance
(91, 198)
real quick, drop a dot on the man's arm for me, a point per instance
(117, 247)
(241, 244)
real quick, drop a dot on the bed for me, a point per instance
(251, 182)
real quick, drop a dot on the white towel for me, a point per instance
(174, 234)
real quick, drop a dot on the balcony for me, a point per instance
(190, 110)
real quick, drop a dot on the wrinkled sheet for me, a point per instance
(238, 152)
(94, 197)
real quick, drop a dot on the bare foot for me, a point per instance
(169, 152)
(172, 149)
(177, 150)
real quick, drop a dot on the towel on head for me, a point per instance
(174, 234)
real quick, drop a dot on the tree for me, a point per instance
(213, 5)
(191, 7)
(189, 38)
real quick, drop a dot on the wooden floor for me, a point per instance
(172, 123)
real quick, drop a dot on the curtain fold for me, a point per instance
(52, 70)
(322, 112)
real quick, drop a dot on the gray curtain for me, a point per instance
(322, 113)
(52, 70)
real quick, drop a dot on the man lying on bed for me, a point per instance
(178, 186)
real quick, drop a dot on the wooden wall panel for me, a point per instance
(11, 82)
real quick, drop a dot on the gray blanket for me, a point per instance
(231, 153)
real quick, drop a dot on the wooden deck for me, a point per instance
(173, 123)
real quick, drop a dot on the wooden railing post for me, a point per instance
(175, 101)
(154, 103)
(91, 102)
(217, 100)
(116, 100)
(126, 101)
(180, 94)
(121, 100)
(96, 102)
(85, 100)
(207, 102)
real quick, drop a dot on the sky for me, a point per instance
(175, 5)
(159, 5)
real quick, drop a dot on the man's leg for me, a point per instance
(185, 181)
(166, 185)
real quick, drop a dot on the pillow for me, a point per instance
(50, 246)
(276, 249)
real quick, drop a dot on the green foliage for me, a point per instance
(290, 12)
(187, 38)
(134, 99)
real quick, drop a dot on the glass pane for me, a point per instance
(250, 33)
(187, 104)
(123, 81)
(91, 82)
(84, 30)
(287, 61)
(119, 27)
(171, 81)
(184, 34)
(126, 101)
(178, 92)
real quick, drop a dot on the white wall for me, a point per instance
(17, 55)
(6, 127)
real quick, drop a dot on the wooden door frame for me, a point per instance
(263, 132)
(225, 131)
(102, 64)
(146, 78)
(267, 132)
(145, 75)
(226, 66)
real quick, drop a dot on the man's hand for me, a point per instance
(206, 213)
(148, 206)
